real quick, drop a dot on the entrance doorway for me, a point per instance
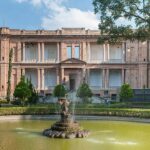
(72, 81)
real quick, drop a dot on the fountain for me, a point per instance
(66, 127)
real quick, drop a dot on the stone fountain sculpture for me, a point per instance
(67, 127)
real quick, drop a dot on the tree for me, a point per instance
(111, 11)
(22, 90)
(59, 91)
(34, 95)
(125, 92)
(84, 92)
(9, 75)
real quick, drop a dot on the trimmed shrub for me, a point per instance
(84, 92)
(126, 92)
(59, 91)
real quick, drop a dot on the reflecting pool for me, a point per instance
(105, 135)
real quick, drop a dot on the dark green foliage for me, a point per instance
(84, 92)
(34, 95)
(9, 75)
(59, 91)
(111, 11)
(22, 91)
(126, 92)
(121, 112)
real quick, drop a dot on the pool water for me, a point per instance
(105, 135)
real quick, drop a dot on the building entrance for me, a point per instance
(72, 81)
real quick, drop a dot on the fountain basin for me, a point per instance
(67, 130)
(104, 135)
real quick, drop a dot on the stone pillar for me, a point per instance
(39, 52)
(124, 52)
(23, 50)
(42, 52)
(39, 78)
(23, 71)
(103, 79)
(18, 74)
(108, 52)
(19, 52)
(43, 81)
(62, 75)
(123, 76)
(107, 78)
(58, 52)
(104, 47)
(57, 76)
(89, 52)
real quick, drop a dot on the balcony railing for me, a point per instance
(114, 86)
(115, 61)
(97, 61)
(49, 87)
(30, 61)
(95, 87)
(55, 60)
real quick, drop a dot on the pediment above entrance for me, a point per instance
(73, 61)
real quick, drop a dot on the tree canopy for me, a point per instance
(84, 92)
(59, 91)
(112, 11)
(22, 90)
(126, 92)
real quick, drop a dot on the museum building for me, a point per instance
(71, 56)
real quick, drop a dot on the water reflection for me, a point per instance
(27, 135)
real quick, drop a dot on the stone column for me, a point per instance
(108, 52)
(88, 76)
(23, 71)
(23, 50)
(103, 79)
(124, 52)
(18, 74)
(57, 76)
(62, 75)
(89, 52)
(19, 52)
(58, 53)
(39, 52)
(107, 78)
(123, 76)
(43, 81)
(39, 78)
(42, 52)
(104, 47)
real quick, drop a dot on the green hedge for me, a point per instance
(26, 111)
(122, 112)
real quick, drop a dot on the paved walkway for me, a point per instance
(78, 117)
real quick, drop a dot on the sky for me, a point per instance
(47, 14)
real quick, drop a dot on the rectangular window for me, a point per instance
(77, 52)
(69, 51)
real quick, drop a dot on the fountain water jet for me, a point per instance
(67, 127)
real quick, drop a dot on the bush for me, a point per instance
(84, 92)
(22, 91)
(59, 91)
(3, 101)
(125, 92)
(121, 112)
(34, 95)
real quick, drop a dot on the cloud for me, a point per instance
(33, 2)
(59, 16)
